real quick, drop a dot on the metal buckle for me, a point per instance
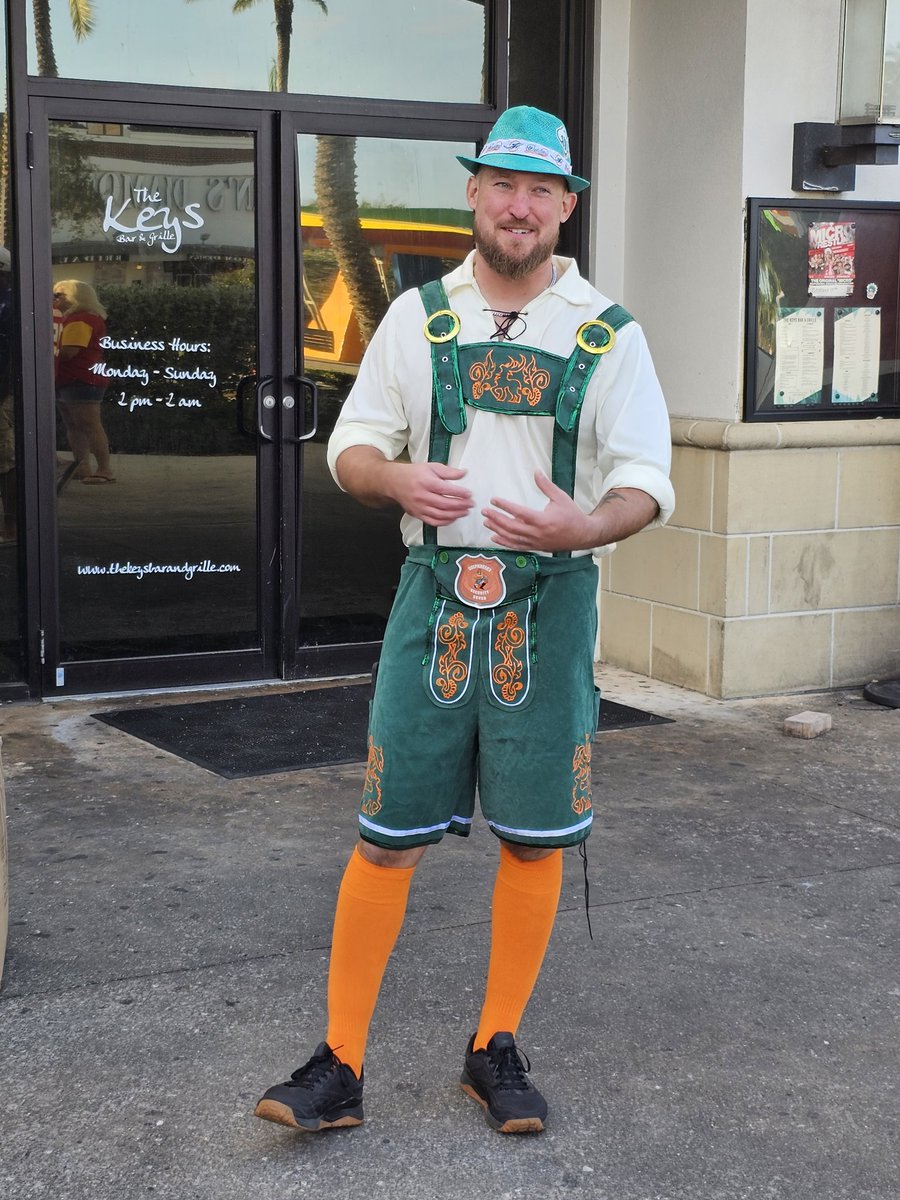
(455, 327)
(592, 347)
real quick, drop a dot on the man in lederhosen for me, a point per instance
(535, 433)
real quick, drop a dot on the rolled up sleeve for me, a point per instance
(373, 414)
(633, 429)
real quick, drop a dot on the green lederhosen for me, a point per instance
(503, 678)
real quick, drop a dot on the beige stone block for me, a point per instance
(851, 569)
(869, 487)
(604, 562)
(692, 479)
(658, 564)
(866, 645)
(807, 724)
(721, 477)
(776, 490)
(716, 656)
(763, 656)
(680, 647)
(625, 632)
(723, 575)
(758, 555)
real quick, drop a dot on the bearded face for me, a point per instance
(517, 217)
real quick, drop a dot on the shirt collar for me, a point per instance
(569, 283)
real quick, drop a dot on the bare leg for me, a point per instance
(87, 435)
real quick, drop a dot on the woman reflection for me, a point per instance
(79, 389)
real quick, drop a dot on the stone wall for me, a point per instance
(780, 570)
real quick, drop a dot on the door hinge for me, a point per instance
(43, 648)
(29, 149)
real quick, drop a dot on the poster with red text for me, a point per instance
(832, 258)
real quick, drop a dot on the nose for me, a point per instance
(520, 203)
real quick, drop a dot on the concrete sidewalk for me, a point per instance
(731, 1033)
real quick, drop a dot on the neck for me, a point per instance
(511, 295)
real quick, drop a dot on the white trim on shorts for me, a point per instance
(541, 833)
(402, 833)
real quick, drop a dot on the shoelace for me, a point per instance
(510, 1069)
(314, 1071)
(505, 321)
(582, 850)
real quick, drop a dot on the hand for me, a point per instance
(426, 491)
(561, 525)
(423, 490)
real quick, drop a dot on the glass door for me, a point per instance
(161, 426)
(377, 215)
(205, 285)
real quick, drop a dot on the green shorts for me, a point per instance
(498, 698)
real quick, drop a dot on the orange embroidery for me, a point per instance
(519, 378)
(451, 671)
(510, 636)
(581, 774)
(371, 802)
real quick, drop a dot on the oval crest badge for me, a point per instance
(479, 580)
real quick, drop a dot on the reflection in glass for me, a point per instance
(392, 49)
(160, 225)
(402, 224)
(11, 663)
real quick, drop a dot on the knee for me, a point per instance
(529, 853)
(380, 856)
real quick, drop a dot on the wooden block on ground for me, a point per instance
(807, 724)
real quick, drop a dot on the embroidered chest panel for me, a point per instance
(502, 378)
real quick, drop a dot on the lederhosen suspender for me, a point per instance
(515, 380)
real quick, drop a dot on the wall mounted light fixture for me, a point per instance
(867, 131)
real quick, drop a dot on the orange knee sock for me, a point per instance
(370, 910)
(526, 896)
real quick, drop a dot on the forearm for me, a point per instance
(427, 491)
(366, 474)
(620, 513)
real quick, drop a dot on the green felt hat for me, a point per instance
(527, 139)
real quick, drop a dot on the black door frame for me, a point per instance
(154, 670)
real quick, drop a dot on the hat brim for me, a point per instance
(521, 162)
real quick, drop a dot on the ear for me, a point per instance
(568, 206)
(472, 191)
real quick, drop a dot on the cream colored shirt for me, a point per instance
(623, 438)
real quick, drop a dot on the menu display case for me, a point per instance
(823, 310)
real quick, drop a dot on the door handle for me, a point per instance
(264, 402)
(310, 392)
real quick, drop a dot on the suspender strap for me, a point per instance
(448, 409)
(593, 340)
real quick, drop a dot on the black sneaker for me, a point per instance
(496, 1078)
(322, 1094)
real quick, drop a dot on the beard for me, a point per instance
(512, 266)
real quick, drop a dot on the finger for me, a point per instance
(547, 486)
(446, 472)
(519, 511)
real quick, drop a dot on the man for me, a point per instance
(535, 432)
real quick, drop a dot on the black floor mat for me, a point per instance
(284, 731)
